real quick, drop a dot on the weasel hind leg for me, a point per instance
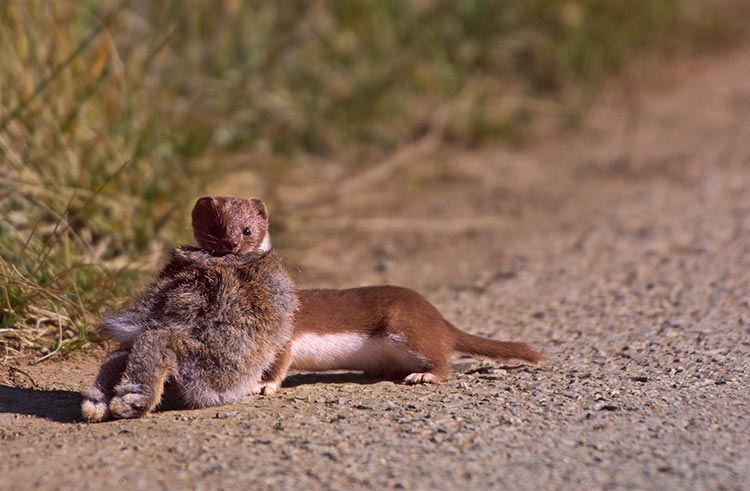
(421, 363)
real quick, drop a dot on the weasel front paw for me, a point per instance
(266, 388)
(269, 388)
(421, 378)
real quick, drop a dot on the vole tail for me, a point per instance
(122, 327)
(500, 350)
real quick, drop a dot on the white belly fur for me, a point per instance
(352, 351)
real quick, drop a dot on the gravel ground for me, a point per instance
(620, 250)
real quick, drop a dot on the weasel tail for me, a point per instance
(502, 350)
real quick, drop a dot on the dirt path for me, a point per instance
(621, 250)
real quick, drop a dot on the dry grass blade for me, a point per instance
(58, 69)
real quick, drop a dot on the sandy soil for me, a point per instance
(620, 250)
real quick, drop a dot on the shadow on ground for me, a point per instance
(333, 378)
(62, 406)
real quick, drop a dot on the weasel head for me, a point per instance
(231, 225)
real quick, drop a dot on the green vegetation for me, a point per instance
(111, 113)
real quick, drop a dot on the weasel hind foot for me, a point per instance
(421, 378)
(94, 407)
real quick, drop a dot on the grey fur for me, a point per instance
(210, 326)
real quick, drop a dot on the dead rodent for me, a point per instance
(382, 330)
(209, 326)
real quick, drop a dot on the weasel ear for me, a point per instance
(206, 201)
(203, 204)
(260, 208)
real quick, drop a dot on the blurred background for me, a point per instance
(116, 116)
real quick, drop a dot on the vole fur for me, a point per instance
(210, 325)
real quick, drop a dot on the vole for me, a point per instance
(211, 325)
(387, 331)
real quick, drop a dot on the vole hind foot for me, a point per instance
(94, 407)
(129, 406)
(421, 378)
(95, 399)
(130, 402)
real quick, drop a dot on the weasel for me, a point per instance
(209, 327)
(387, 331)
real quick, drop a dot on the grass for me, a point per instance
(113, 114)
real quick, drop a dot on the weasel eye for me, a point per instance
(246, 231)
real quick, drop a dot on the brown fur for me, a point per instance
(209, 325)
(231, 225)
(397, 315)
